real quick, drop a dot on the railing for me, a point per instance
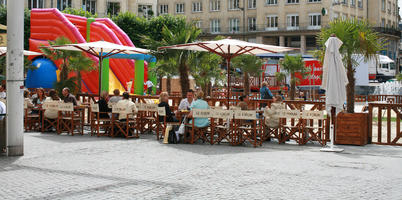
(389, 31)
(391, 114)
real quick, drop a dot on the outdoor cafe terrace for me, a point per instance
(300, 122)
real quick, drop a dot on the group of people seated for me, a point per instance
(38, 98)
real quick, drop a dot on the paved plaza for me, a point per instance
(84, 167)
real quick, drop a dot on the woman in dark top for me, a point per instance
(164, 102)
(40, 97)
(103, 106)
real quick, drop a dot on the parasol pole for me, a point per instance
(100, 72)
(228, 89)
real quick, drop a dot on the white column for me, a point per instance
(101, 8)
(302, 44)
(15, 78)
(282, 41)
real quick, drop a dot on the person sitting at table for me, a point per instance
(272, 114)
(199, 103)
(39, 98)
(164, 102)
(52, 113)
(68, 97)
(244, 103)
(126, 103)
(116, 98)
(103, 105)
(186, 103)
(27, 100)
(3, 93)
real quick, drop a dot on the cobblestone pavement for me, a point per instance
(84, 167)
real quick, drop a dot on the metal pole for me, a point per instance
(228, 92)
(15, 78)
(100, 72)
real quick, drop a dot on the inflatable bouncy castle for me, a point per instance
(49, 24)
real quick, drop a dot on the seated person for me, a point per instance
(244, 103)
(126, 103)
(103, 105)
(52, 113)
(164, 102)
(69, 98)
(39, 97)
(116, 98)
(186, 103)
(272, 114)
(199, 103)
(27, 101)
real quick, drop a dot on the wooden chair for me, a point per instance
(291, 126)
(147, 118)
(98, 123)
(313, 126)
(46, 122)
(161, 112)
(221, 125)
(31, 120)
(70, 120)
(126, 127)
(247, 127)
(196, 133)
(272, 131)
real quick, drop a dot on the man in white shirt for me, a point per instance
(150, 86)
(186, 103)
(126, 103)
(2, 109)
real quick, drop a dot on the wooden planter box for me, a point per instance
(352, 128)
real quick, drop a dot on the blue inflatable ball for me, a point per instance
(42, 77)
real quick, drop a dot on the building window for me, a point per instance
(292, 1)
(344, 2)
(234, 25)
(180, 8)
(292, 22)
(271, 2)
(145, 10)
(383, 5)
(215, 26)
(389, 7)
(252, 24)
(63, 4)
(198, 24)
(393, 9)
(197, 6)
(315, 21)
(252, 4)
(215, 5)
(163, 9)
(3, 2)
(113, 8)
(314, 1)
(272, 22)
(35, 4)
(353, 3)
(360, 3)
(234, 4)
(89, 5)
(382, 22)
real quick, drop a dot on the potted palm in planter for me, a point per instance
(358, 37)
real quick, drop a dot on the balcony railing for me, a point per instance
(389, 31)
(260, 28)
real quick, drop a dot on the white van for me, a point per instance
(383, 70)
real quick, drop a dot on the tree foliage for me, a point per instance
(250, 66)
(80, 12)
(292, 65)
(358, 37)
(27, 23)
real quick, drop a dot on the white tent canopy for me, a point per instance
(230, 46)
(101, 47)
(3, 51)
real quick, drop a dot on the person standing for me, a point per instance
(265, 93)
(150, 86)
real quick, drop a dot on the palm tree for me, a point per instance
(291, 66)
(71, 61)
(205, 69)
(249, 66)
(168, 68)
(187, 33)
(358, 37)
